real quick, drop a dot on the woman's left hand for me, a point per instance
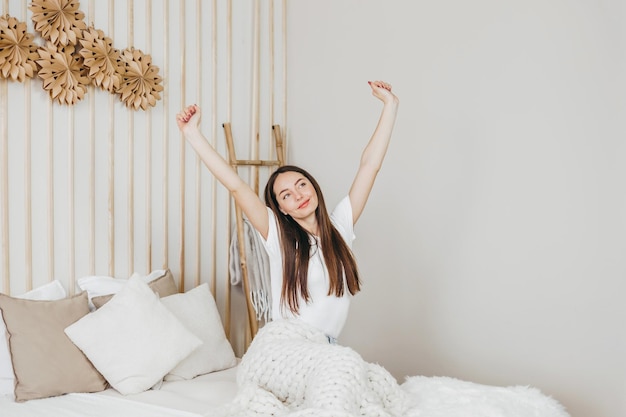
(382, 91)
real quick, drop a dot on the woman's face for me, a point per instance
(295, 195)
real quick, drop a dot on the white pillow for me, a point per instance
(133, 340)
(98, 285)
(196, 309)
(50, 291)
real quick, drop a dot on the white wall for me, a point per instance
(493, 246)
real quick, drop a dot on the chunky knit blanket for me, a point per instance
(290, 369)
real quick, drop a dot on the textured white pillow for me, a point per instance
(50, 292)
(133, 340)
(196, 309)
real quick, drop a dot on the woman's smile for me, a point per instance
(303, 205)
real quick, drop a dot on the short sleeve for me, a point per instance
(272, 243)
(342, 219)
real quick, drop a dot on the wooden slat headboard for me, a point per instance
(98, 188)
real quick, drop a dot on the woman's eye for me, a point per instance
(286, 196)
(302, 184)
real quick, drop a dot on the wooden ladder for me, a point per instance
(235, 163)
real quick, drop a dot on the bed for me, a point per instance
(139, 347)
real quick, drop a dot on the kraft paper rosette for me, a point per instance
(58, 21)
(18, 51)
(141, 83)
(101, 59)
(62, 73)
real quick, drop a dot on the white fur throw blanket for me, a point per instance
(291, 370)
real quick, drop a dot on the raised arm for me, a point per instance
(375, 150)
(188, 122)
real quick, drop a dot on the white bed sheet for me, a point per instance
(189, 398)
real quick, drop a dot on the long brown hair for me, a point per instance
(296, 247)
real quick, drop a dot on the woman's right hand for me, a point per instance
(189, 118)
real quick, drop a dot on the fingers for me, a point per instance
(380, 84)
(189, 114)
(186, 115)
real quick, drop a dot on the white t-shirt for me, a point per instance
(326, 312)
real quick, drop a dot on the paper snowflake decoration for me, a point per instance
(101, 59)
(141, 83)
(58, 21)
(18, 52)
(62, 72)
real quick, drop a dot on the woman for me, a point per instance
(313, 272)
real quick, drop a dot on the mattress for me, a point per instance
(199, 396)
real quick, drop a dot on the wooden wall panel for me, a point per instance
(97, 188)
